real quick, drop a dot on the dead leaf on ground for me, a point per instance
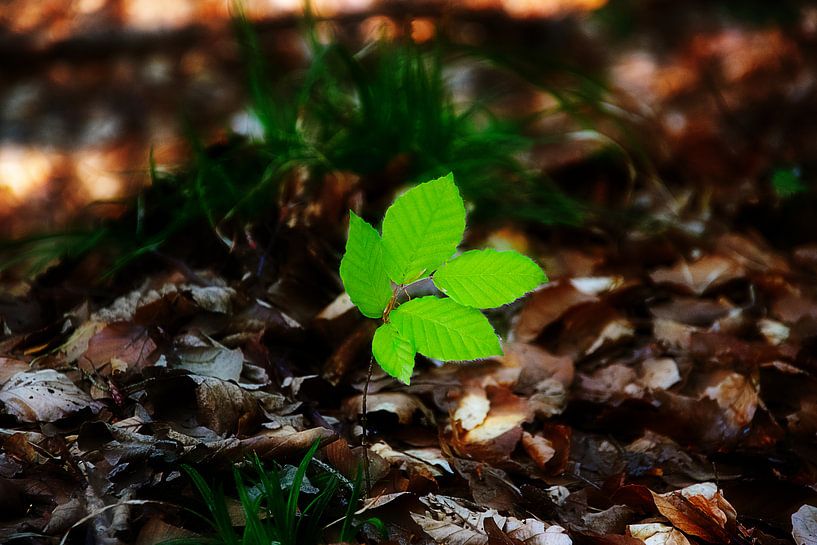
(699, 510)
(655, 533)
(699, 276)
(497, 435)
(659, 373)
(128, 344)
(44, 396)
(404, 406)
(537, 364)
(737, 396)
(614, 382)
(547, 305)
(214, 361)
(10, 367)
(804, 525)
(223, 405)
(448, 521)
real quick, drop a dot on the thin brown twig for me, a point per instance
(364, 422)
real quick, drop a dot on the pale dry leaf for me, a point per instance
(804, 525)
(448, 522)
(596, 285)
(44, 396)
(403, 406)
(659, 373)
(540, 449)
(774, 332)
(654, 533)
(216, 299)
(673, 334)
(613, 331)
(211, 361)
(613, 381)
(472, 408)
(699, 276)
(736, 395)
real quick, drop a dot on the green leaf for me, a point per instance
(393, 352)
(422, 229)
(488, 278)
(445, 330)
(362, 271)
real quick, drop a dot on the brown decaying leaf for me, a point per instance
(123, 341)
(699, 510)
(44, 396)
(547, 305)
(404, 406)
(222, 405)
(499, 432)
(706, 273)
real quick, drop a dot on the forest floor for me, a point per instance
(659, 389)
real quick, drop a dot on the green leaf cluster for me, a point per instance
(420, 234)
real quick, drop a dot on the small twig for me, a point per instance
(364, 422)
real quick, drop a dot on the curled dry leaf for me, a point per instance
(659, 374)
(499, 432)
(550, 450)
(614, 382)
(673, 334)
(698, 277)
(211, 361)
(449, 522)
(472, 408)
(223, 405)
(751, 254)
(804, 525)
(699, 510)
(547, 305)
(44, 396)
(537, 365)
(596, 285)
(540, 449)
(425, 462)
(738, 398)
(655, 533)
(403, 406)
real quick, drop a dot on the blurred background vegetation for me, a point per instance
(137, 129)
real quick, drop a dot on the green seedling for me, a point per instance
(421, 232)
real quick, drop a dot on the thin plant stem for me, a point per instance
(364, 422)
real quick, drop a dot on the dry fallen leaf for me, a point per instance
(211, 361)
(699, 510)
(403, 406)
(736, 395)
(654, 533)
(547, 305)
(497, 435)
(449, 522)
(44, 396)
(659, 374)
(698, 277)
(804, 525)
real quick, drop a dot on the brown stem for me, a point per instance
(364, 422)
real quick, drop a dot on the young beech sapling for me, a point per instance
(421, 232)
